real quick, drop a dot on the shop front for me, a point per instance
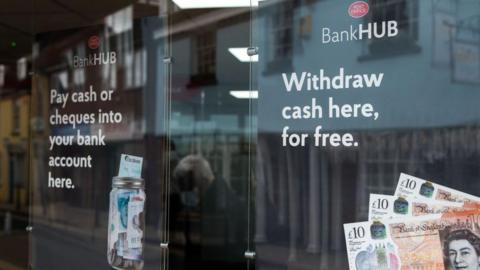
(240, 134)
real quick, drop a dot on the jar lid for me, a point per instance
(127, 182)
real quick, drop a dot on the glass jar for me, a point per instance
(126, 223)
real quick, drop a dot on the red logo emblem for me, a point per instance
(93, 42)
(358, 9)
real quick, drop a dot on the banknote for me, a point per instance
(387, 207)
(438, 243)
(369, 246)
(434, 242)
(413, 187)
(134, 229)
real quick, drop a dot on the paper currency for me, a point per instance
(134, 229)
(423, 226)
(130, 166)
(436, 242)
(388, 207)
(413, 187)
(428, 243)
(369, 246)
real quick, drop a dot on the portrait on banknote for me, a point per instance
(461, 248)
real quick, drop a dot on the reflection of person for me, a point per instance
(462, 250)
(207, 206)
(192, 176)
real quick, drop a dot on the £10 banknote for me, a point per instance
(413, 187)
(434, 242)
(387, 207)
(424, 225)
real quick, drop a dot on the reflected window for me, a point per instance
(2, 75)
(140, 68)
(2, 160)
(129, 69)
(382, 165)
(19, 165)
(135, 69)
(280, 39)
(21, 68)
(205, 53)
(405, 13)
(120, 21)
(60, 81)
(78, 73)
(16, 117)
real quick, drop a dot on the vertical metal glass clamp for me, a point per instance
(29, 228)
(251, 51)
(168, 60)
(250, 255)
(164, 245)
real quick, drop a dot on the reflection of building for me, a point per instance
(14, 131)
(205, 120)
(55, 69)
(38, 136)
(428, 125)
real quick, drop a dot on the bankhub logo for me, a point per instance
(371, 30)
(358, 9)
(94, 42)
(94, 59)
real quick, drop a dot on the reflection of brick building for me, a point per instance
(214, 127)
(38, 136)
(305, 195)
(14, 129)
(55, 70)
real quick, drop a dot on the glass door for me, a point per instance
(143, 141)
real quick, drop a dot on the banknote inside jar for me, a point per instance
(117, 255)
(119, 262)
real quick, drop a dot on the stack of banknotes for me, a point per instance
(424, 225)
